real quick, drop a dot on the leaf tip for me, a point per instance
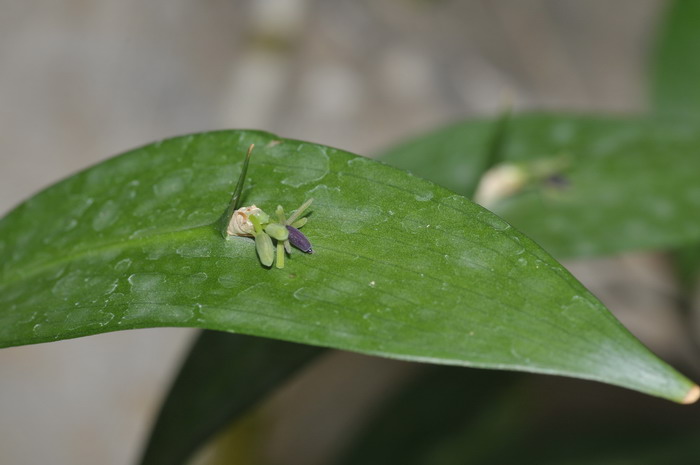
(692, 396)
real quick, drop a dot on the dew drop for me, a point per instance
(146, 282)
(70, 224)
(228, 281)
(172, 184)
(122, 265)
(198, 278)
(106, 216)
(299, 294)
(424, 197)
(492, 220)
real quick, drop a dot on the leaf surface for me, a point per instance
(402, 268)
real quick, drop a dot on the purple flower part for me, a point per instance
(558, 181)
(298, 240)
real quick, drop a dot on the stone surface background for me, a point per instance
(83, 80)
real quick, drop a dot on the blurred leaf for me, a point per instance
(625, 184)
(454, 157)
(687, 265)
(223, 376)
(599, 427)
(403, 268)
(495, 151)
(594, 448)
(446, 416)
(676, 74)
(676, 67)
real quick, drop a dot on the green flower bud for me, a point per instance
(277, 231)
(300, 222)
(262, 217)
(280, 256)
(266, 251)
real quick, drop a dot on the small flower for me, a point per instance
(263, 242)
(509, 179)
(500, 182)
(240, 224)
(272, 238)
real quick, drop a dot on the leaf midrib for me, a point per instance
(36, 268)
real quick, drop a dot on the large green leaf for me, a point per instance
(403, 268)
(630, 183)
(223, 376)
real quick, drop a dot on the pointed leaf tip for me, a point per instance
(692, 396)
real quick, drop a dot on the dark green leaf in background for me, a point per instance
(454, 157)
(403, 268)
(223, 376)
(447, 416)
(676, 95)
(443, 417)
(676, 67)
(686, 263)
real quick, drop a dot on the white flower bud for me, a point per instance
(500, 182)
(240, 224)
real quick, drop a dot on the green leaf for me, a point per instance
(402, 267)
(453, 156)
(223, 376)
(449, 416)
(676, 66)
(445, 416)
(602, 428)
(609, 446)
(686, 264)
(676, 73)
(629, 183)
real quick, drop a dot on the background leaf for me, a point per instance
(676, 67)
(445, 416)
(686, 263)
(629, 183)
(403, 268)
(448, 416)
(675, 73)
(223, 376)
(454, 156)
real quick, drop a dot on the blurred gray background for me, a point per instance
(81, 81)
